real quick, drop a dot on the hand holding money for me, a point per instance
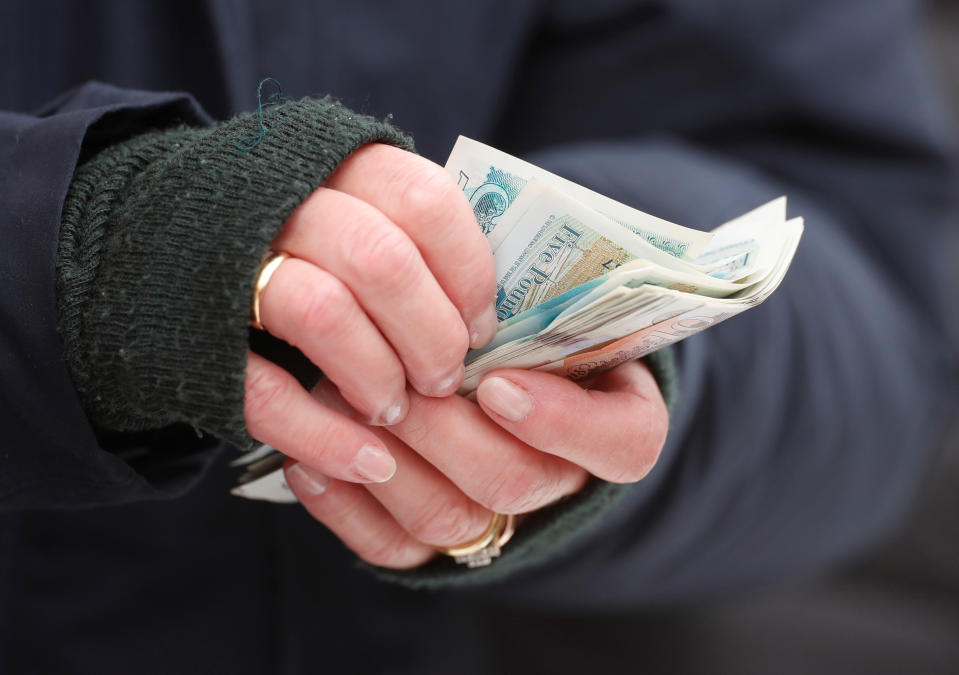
(376, 300)
(584, 284)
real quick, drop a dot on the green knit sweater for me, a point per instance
(161, 239)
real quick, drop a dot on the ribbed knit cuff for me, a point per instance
(544, 534)
(160, 242)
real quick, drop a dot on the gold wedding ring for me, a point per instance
(270, 263)
(481, 551)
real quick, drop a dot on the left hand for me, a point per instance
(533, 439)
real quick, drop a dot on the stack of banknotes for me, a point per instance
(585, 283)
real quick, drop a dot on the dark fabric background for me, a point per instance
(893, 612)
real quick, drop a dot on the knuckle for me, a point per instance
(429, 196)
(636, 448)
(519, 491)
(389, 548)
(442, 523)
(382, 545)
(389, 551)
(384, 259)
(319, 307)
(640, 456)
(265, 390)
(445, 351)
(633, 470)
(418, 425)
(437, 208)
(481, 270)
(659, 430)
(334, 511)
(315, 443)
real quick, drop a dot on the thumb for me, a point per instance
(615, 430)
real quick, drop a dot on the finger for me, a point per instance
(383, 268)
(421, 198)
(615, 430)
(421, 499)
(312, 310)
(279, 412)
(353, 515)
(490, 465)
(426, 503)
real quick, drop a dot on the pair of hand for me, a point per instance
(389, 284)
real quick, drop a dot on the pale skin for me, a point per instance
(389, 284)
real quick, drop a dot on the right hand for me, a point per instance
(390, 281)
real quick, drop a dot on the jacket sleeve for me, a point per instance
(49, 453)
(161, 226)
(804, 426)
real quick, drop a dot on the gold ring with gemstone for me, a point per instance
(481, 551)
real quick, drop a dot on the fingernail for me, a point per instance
(483, 328)
(391, 415)
(374, 464)
(448, 385)
(505, 399)
(307, 479)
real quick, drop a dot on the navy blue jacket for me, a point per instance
(804, 426)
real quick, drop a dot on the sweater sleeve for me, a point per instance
(162, 237)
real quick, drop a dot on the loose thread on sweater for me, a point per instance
(248, 143)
